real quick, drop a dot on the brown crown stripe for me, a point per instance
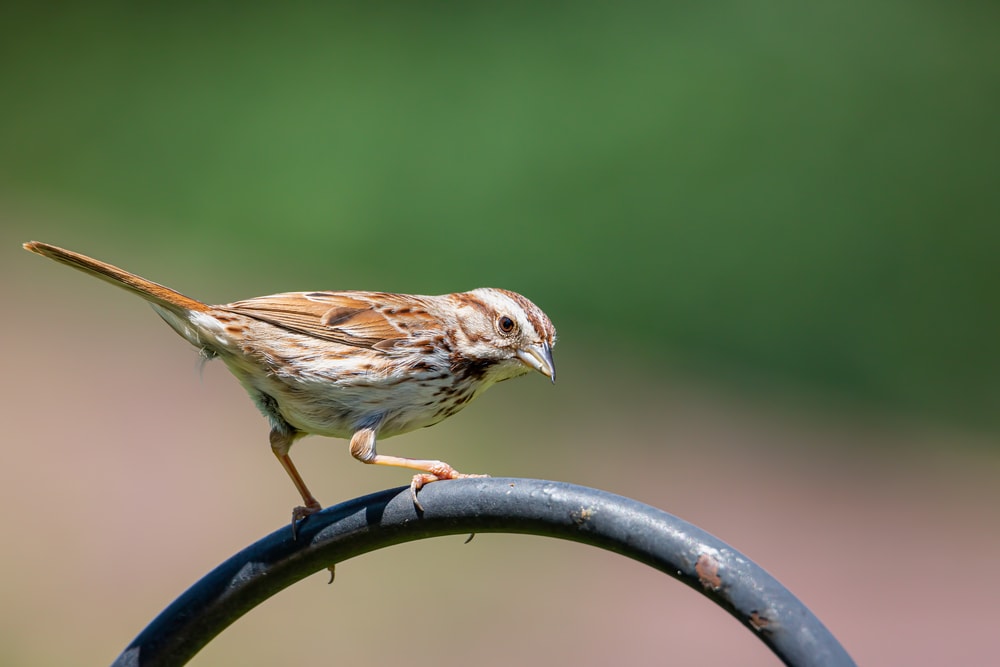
(538, 319)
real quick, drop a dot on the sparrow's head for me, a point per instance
(504, 331)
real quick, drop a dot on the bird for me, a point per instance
(358, 365)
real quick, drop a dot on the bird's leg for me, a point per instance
(281, 442)
(363, 449)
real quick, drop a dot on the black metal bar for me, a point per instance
(537, 507)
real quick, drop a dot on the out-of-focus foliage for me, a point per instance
(803, 191)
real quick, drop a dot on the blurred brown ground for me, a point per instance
(128, 475)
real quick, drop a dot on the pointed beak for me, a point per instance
(539, 357)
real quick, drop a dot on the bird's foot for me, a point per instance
(443, 472)
(302, 512)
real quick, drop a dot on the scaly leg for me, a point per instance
(363, 449)
(281, 442)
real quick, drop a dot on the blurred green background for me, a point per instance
(767, 233)
(796, 192)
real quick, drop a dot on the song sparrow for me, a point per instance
(358, 365)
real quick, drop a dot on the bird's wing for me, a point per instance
(374, 320)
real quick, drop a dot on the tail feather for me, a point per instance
(147, 289)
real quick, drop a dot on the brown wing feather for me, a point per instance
(359, 319)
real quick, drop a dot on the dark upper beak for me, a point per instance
(538, 357)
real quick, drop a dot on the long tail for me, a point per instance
(147, 289)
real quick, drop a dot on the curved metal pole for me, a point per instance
(488, 505)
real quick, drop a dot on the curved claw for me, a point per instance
(421, 479)
(300, 513)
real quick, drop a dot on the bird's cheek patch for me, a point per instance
(475, 327)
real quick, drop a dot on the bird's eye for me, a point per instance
(505, 325)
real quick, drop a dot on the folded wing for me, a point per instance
(374, 320)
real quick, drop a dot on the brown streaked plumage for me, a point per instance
(357, 365)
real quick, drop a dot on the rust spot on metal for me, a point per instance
(707, 569)
(583, 515)
(758, 621)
